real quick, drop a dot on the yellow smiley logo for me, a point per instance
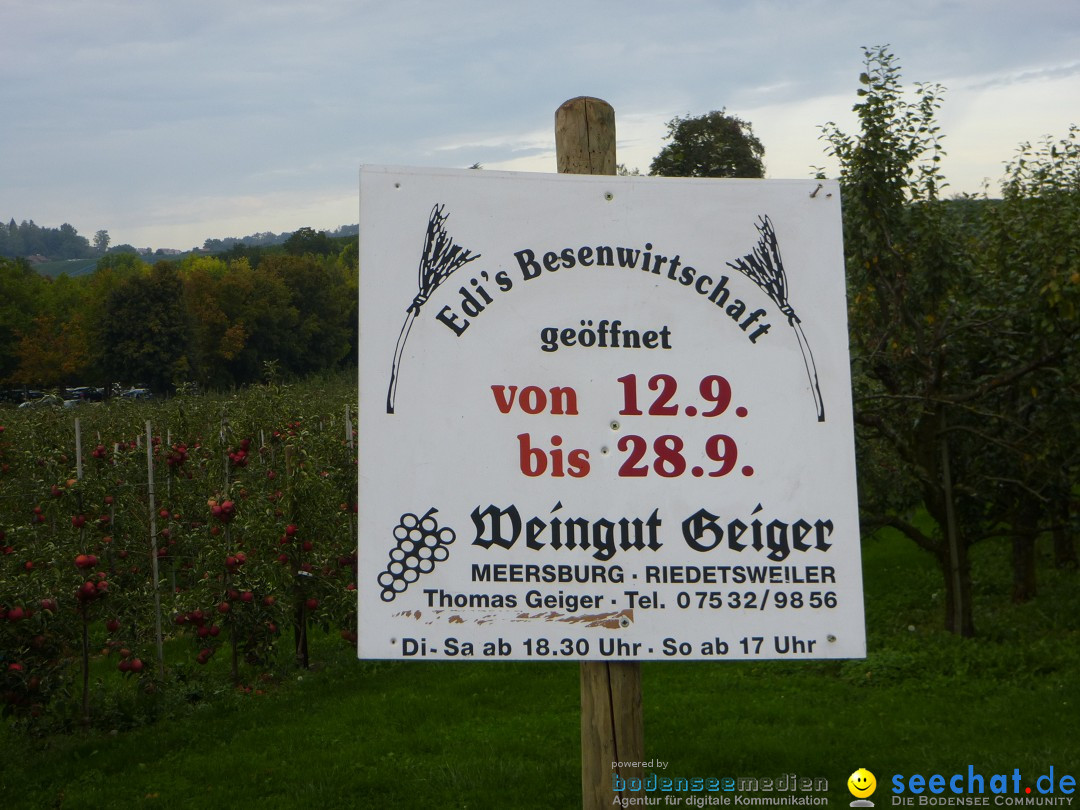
(862, 783)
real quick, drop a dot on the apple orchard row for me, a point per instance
(244, 507)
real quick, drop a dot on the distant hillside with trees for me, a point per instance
(27, 239)
(267, 238)
(30, 239)
(216, 321)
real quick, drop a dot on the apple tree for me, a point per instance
(716, 144)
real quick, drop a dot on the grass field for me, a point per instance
(505, 735)
(70, 267)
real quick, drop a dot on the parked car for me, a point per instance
(43, 402)
(138, 393)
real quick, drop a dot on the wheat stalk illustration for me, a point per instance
(765, 268)
(439, 260)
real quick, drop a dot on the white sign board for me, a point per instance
(604, 417)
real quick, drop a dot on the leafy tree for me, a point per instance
(349, 257)
(252, 254)
(50, 353)
(945, 342)
(21, 301)
(10, 245)
(712, 145)
(325, 307)
(146, 332)
(242, 317)
(308, 240)
(906, 273)
(64, 243)
(101, 240)
(28, 239)
(1033, 239)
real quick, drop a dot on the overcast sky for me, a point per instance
(170, 122)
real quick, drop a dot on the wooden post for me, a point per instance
(158, 635)
(612, 729)
(78, 453)
(299, 590)
(585, 137)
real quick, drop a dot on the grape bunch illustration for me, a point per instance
(420, 544)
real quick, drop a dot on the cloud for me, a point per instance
(111, 108)
(1038, 74)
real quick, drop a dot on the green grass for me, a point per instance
(70, 267)
(505, 735)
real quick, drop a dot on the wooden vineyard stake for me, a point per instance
(158, 636)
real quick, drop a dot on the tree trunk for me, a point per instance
(234, 662)
(1064, 547)
(959, 616)
(85, 665)
(300, 633)
(1025, 530)
(1023, 563)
